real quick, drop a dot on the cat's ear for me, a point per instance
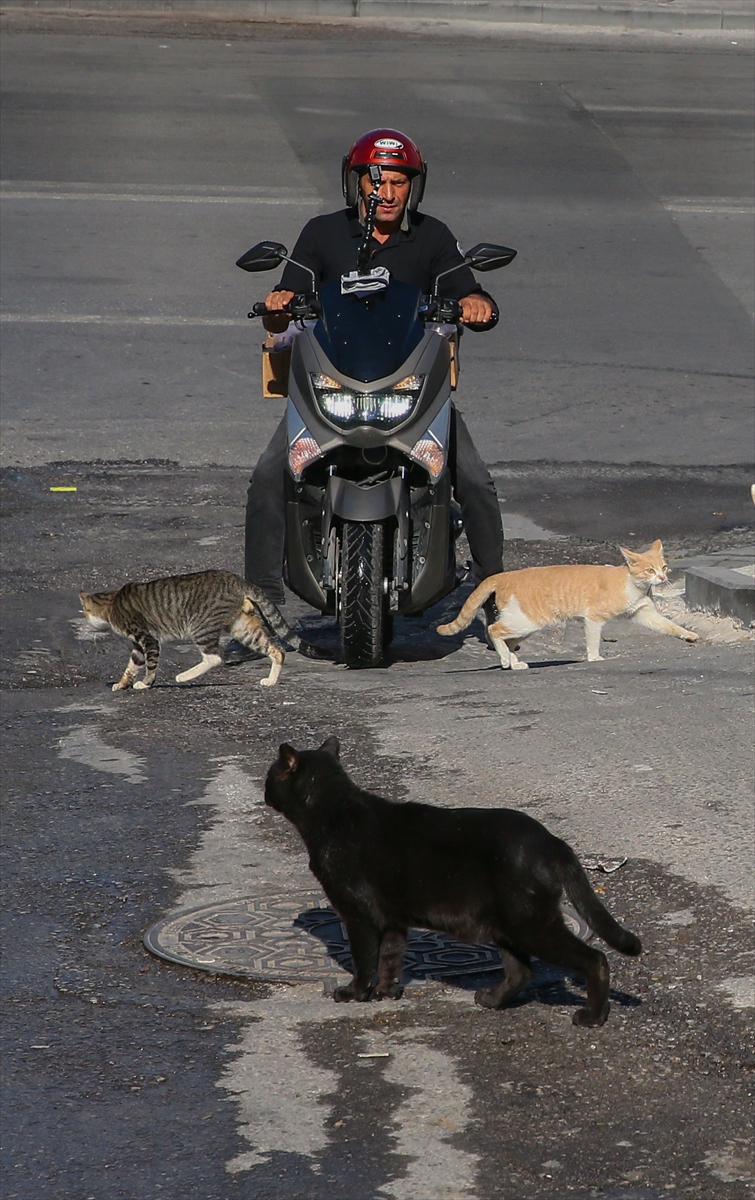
(288, 759)
(657, 546)
(629, 556)
(332, 746)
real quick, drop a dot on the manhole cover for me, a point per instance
(299, 937)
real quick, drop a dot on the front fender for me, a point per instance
(355, 502)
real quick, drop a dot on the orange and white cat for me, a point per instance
(538, 597)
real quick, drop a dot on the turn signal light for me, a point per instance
(304, 451)
(430, 455)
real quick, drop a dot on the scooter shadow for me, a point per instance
(414, 640)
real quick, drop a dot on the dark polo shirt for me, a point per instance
(329, 246)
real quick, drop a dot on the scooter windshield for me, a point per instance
(369, 337)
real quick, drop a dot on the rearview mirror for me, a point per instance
(265, 256)
(488, 257)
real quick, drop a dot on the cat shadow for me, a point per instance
(166, 685)
(533, 666)
(438, 958)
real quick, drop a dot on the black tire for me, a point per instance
(363, 603)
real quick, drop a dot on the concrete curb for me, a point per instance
(721, 583)
(662, 16)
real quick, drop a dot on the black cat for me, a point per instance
(481, 875)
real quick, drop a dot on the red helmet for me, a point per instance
(386, 148)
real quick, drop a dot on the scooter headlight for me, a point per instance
(346, 408)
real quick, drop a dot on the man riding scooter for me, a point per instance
(415, 249)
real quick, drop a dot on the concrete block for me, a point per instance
(711, 586)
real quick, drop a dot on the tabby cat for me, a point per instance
(538, 597)
(479, 874)
(198, 607)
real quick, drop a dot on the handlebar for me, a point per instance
(305, 306)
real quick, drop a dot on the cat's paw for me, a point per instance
(121, 686)
(689, 636)
(141, 686)
(487, 998)
(342, 995)
(520, 666)
(391, 991)
(583, 1017)
(268, 682)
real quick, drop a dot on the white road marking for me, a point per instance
(670, 110)
(437, 1109)
(708, 206)
(84, 632)
(126, 196)
(740, 990)
(33, 190)
(278, 1090)
(112, 319)
(84, 745)
(283, 1097)
(732, 1164)
(231, 859)
(328, 112)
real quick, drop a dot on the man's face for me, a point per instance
(394, 190)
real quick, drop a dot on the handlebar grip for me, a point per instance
(303, 305)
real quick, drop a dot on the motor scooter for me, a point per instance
(370, 522)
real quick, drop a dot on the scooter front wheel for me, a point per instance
(363, 608)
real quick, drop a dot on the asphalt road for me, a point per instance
(613, 403)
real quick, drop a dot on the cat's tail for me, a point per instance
(469, 609)
(255, 600)
(579, 890)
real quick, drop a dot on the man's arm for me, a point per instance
(308, 252)
(478, 309)
(293, 280)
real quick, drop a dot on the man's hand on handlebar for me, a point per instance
(475, 309)
(276, 302)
